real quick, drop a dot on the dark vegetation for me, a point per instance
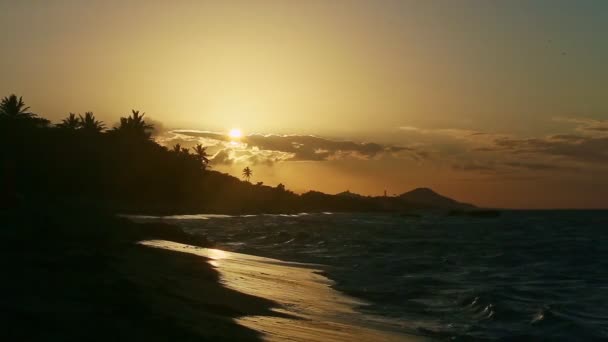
(72, 269)
(124, 170)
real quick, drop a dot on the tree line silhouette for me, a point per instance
(123, 169)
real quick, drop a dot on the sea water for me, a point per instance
(524, 275)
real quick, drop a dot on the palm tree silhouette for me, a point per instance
(89, 123)
(247, 173)
(71, 122)
(134, 125)
(15, 108)
(201, 155)
(179, 150)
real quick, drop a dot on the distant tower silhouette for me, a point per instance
(384, 192)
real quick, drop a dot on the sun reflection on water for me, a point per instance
(318, 312)
(217, 254)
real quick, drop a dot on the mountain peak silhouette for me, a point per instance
(348, 193)
(428, 197)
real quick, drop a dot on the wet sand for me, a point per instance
(306, 307)
(83, 277)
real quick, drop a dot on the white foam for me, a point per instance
(324, 314)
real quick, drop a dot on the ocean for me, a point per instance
(522, 276)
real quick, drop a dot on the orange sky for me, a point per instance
(496, 103)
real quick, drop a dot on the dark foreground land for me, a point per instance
(72, 274)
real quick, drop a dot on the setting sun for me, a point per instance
(235, 133)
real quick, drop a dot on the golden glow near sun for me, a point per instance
(235, 133)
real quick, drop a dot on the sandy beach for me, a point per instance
(306, 307)
(91, 276)
(79, 275)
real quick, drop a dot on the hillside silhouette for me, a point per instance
(123, 169)
(426, 196)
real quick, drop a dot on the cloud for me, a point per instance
(188, 139)
(272, 148)
(537, 166)
(586, 149)
(587, 126)
(453, 132)
(475, 166)
(202, 134)
(462, 150)
(584, 146)
(222, 157)
(451, 138)
(313, 148)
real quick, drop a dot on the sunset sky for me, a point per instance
(498, 103)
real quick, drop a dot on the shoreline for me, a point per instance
(308, 308)
(74, 274)
(79, 274)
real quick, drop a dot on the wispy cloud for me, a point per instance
(462, 150)
(272, 148)
(587, 126)
(587, 149)
(585, 145)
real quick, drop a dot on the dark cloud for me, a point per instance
(419, 154)
(567, 137)
(485, 149)
(492, 167)
(302, 147)
(537, 166)
(511, 170)
(308, 147)
(577, 148)
(588, 126)
(475, 166)
(598, 128)
(465, 150)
